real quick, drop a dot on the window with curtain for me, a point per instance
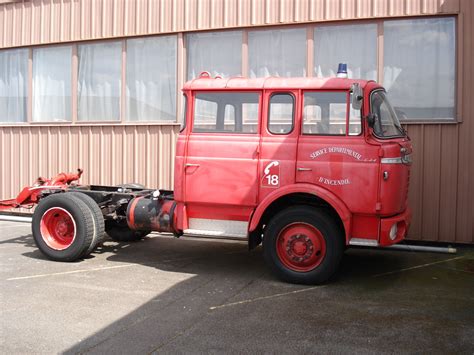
(13, 85)
(324, 113)
(355, 45)
(277, 53)
(52, 83)
(99, 81)
(219, 53)
(151, 79)
(420, 66)
(226, 112)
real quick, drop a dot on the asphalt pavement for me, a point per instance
(190, 295)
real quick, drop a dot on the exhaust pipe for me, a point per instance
(11, 218)
(407, 247)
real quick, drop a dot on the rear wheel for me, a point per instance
(97, 217)
(303, 245)
(120, 232)
(63, 227)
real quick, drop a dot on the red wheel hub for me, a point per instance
(58, 228)
(301, 247)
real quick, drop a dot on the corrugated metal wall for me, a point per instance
(47, 21)
(111, 154)
(441, 192)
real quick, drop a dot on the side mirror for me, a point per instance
(357, 96)
(371, 119)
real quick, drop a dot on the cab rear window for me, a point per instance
(226, 112)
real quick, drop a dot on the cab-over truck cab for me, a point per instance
(305, 166)
(308, 165)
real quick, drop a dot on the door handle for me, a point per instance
(189, 165)
(304, 169)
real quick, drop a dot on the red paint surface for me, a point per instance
(57, 228)
(301, 247)
(227, 174)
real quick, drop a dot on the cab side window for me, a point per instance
(324, 113)
(281, 114)
(226, 112)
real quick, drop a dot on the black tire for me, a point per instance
(303, 245)
(74, 216)
(98, 218)
(122, 233)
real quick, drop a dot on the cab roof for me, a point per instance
(206, 82)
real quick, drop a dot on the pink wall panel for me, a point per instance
(48, 21)
(110, 154)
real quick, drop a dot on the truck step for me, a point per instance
(213, 234)
(217, 228)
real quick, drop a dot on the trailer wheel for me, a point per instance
(98, 218)
(63, 227)
(122, 233)
(303, 245)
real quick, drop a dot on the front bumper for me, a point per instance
(402, 222)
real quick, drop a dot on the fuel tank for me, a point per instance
(151, 214)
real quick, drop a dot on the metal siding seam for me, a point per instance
(7, 25)
(55, 28)
(2, 164)
(135, 153)
(14, 25)
(176, 16)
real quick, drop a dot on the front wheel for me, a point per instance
(303, 245)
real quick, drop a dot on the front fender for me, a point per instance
(335, 202)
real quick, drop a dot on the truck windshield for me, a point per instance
(387, 123)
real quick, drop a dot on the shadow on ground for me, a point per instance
(379, 301)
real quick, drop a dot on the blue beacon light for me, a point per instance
(342, 71)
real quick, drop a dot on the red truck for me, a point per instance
(304, 166)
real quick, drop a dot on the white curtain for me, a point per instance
(52, 83)
(355, 45)
(420, 66)
(277, 53)
(99, 81)
(151, 79)
(219, 53)
(13, 85)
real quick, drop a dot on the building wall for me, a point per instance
(47, 21)
(441, 194)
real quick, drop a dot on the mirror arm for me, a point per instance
(371, 118)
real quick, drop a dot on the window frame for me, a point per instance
(293, 112)
(348, 103)
(28, 83)
(181, 56)
(457, 73)
(194, 97)
(73, 99)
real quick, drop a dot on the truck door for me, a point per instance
(279, 141)
(333, 153)
(220, 170)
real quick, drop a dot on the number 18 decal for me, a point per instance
(271, 174)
